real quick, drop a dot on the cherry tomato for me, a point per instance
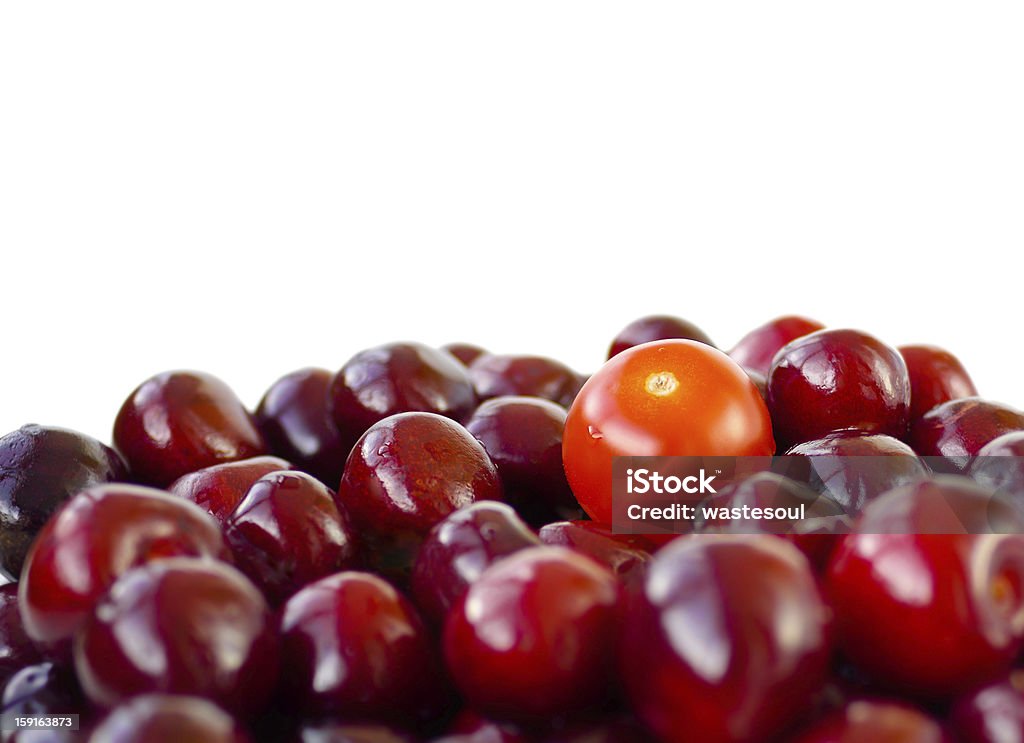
(664, 398)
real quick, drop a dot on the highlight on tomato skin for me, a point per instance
(664, 398)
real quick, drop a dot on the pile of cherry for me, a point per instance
(392, 553)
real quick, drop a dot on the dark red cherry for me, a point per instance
(958, 429)
(458, 550)
(1000, 465)
(467, 353)
(219, 489)
(353, 646)
(16, 649)
(531, 638)
(40, 469)
(297, 425)
(725, 641)
(624, 554)
(921, 606)
(756, 349)
(165, 718)
(853, 468)
(863, 721)
(398, 378)
(180, 626)
(179, 422)
(533, 376)
(993, 713)
(523, 437)
(288, 532)
(936, 376)
(101, 533)
(656, 328)
(338, 732)
(836, 380)
(405, 474)
(470, 727)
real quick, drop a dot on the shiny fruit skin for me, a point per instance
(926, 613)
(530, 376)
(1000, 465)
(837, 380)
(865, 721)
(993, 713)
(936, 376)
(467, 353)
(626, 555)
(179, 422)
(390, 671)
(340, 732)
(101, 533)
(957, 430)
(656, 328)
(532, 637)
(41, 467)
(756, 349)
(398, 378)
(719, 626)
(180, 626)
(674, 397)
(219, 489)
(459, 548)
(297, 425)
(166, 718)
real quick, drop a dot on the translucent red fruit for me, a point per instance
(523, 437)
(725, 640)
(180, 626)
(179, 422)
(835, 380)
(101, 533)
(354, 647)
(297, 425)
(936, 376)
(533, 376)
(656, 328)
(165, 718)
(531, 638)
(459, 548)
(756, 349)
(958, 429)
(921, 606)
(220, 488)
(40, 469)
(398, 378)
(288, 532)
(875, 722)
(993, 713)
(625, 555)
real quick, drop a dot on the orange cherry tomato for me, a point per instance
(664, 398)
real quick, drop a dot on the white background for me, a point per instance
(248, 188)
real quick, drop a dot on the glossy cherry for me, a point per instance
(180, 626)
(958, 429)
(719, 626)
(625, 555)
(1000, 465)
(165, 718)
(936, 376)
(523, 437)
(467, 353)
(922, 607)
(993, 713)
(531, 638)
(101, 533)
(297, 425)
(835, 380)
(353, 646)
(534, 376)
(41, 467)
(398, 378)
(459, 548)
(865, 721)
(219, 489)
(756, 349)
(656, 328)
(288, 532)
(179, 422)
(16, 649)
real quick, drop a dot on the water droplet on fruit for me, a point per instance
(595, 433)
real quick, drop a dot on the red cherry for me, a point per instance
(180, 626)
(101, 533)
(625, 555)
(936, 376)
(958, 429)
(1000, 465)
(531, 638)
(921, 608)
(756, 349)
(467, 353)
(533, 376)
(656, 328)
(726, 639)
(219, 489)
(337, 732)
(992, 714)
(875, 722)
(163, 718)
(179, 422)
